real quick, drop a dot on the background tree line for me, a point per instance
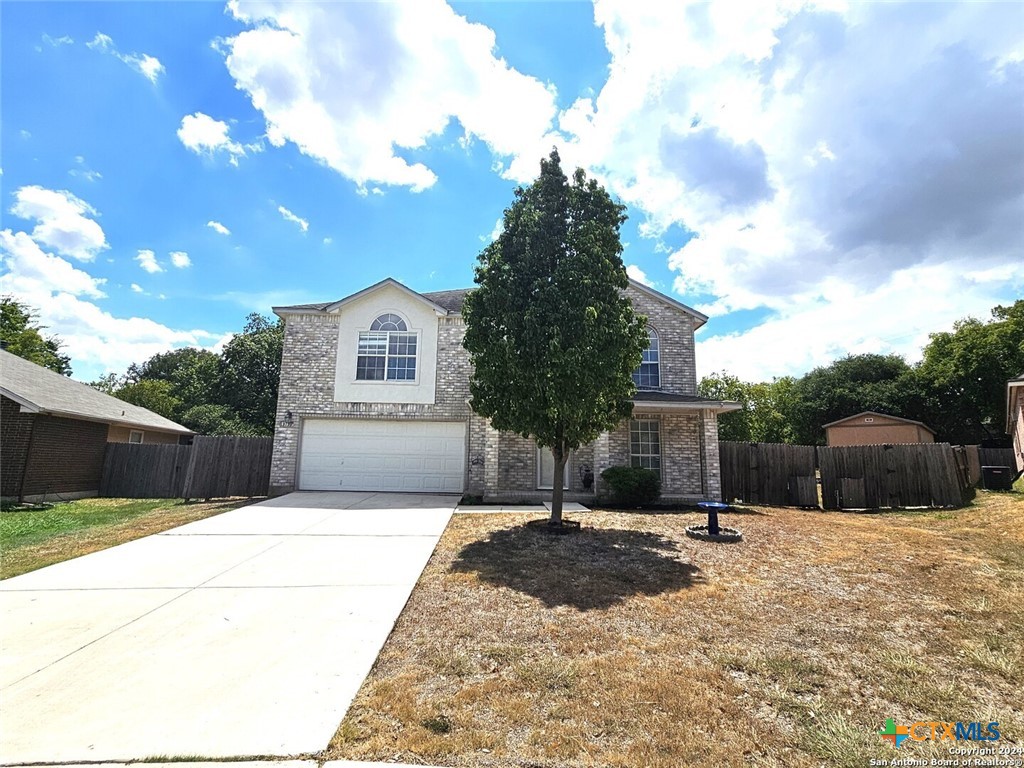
(958, 389)
(231, 393)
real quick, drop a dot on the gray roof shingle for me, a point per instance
(48, 392)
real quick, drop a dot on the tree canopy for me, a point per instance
(552, 337)
(232, 393)
(23, 337)
(958, 388)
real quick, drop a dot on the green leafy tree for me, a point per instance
(108, 384)
(735, 425)
(249, 372)
(764, 417)
(22, 336)
(157, 396)
(193, 374)
(552, 337)
(213, 419)
(848, 386)
(961, 380)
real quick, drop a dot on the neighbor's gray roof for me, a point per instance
(41, 390)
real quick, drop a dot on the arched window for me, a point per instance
(387, 352)
(648, 375)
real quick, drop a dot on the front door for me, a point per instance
(546, 470)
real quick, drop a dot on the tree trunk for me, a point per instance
(557, 482)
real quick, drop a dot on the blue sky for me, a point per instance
(820, 179)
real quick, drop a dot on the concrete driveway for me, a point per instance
(248, 633)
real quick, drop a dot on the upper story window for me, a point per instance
(387, 352)
(648, 375)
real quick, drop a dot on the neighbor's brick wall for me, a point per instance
(308, 366)
(15, 435)
(66, 457)
(118, 434)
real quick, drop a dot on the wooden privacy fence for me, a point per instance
(769, 473)
(876, 476)
(212, 467)
(852, 477)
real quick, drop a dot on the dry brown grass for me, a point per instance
(165, 514)
(632, 645)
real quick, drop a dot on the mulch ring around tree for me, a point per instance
(556, 529)
(724, 535)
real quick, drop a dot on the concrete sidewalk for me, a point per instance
(248, 633)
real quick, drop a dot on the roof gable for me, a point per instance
(879, 414)
(700, 317)
(337, 305)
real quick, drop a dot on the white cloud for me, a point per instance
(638, 274)
(328, 240)
(147, 260)
(61, 294)
(146, 65)
(894, 317)
(219, 228)
(354, 84)
(57, 41)
(180, 259)
(82, 170)
(817, 153)
(138, 288)
(204, 135)
(64, 221)
(289, 216)
(29, 271)
(495, 233)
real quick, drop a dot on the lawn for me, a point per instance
(631, 645)
(31, 539)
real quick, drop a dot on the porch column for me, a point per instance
(491, 436)
(710, 463)
(602, 459)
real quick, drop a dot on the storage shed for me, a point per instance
(873, 428)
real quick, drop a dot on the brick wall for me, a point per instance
(675, 338)
(15, 434)
(308, 366)
(496, 465)
(66, 457)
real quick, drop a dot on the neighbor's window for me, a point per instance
(645, 444)
(387, 352)
(135, 436)
(648, 375)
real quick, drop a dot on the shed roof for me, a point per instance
(40, 390)
(877, 413)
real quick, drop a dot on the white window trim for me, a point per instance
(140, 433)
(651, 331)
(419, 346)
(660, 454)
(565, 472)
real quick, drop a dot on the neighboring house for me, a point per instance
(1015, 418)
(374, 395)
(54, 431)
(873, 428)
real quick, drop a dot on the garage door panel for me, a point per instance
(355, 455)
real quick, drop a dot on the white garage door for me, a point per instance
(343, 454)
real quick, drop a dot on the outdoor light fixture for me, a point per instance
(288, 418)
(477, 461)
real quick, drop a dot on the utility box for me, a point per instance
(997, 478)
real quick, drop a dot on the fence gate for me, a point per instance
(877, 476)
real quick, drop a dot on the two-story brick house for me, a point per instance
(374, 395)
